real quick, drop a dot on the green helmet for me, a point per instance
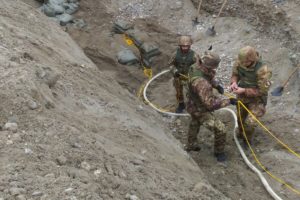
(210, 59)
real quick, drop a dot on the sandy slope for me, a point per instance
(80, 134)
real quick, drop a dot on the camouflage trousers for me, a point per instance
(213, 124)
(258, 109)
(178, 83)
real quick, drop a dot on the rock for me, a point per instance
(177, 5)
(32, 105)
(76, 145)
(79, 23)
(80, 174)
(50, 176)
(200, 187)
(137, 162)
(48, 10)
(37, 193)
(28, 151)
(64, 19)
(131, 197)
(12, 119)
(68, 190)
(13, 127)
(61, 160)
(51, 80)
(295, 58)
(97, 172)
(71, 8)
(85, 165)
(21, 197)
(16, 191)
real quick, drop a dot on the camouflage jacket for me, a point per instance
(262, 77)
(201, 97)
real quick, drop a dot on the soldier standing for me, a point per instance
(250, 81)
(202, 102)
(180, 63)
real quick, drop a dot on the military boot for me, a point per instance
(221, 157)
(180, 108)
(193, 147)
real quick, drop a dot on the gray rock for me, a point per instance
(56, 2)
(295, 58)
(50, 176)
(21, 197)
(71, 8)
(61, 160)
(13, 127)
(64, 19)
(32, 105)
(79, 23)
(58, 9)
(48, 10)
(52, 80)
(16, 191)
(131, 197)
(86, 166)
(177, 5)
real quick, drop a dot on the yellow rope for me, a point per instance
(255, 156)
(266, 129)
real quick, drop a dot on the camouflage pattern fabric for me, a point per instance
(179, 81)
(201, 103)
(254, 98)
(258, 109)
(209, 121)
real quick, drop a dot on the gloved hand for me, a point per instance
(148, 72)
(174, 71)
(220, 89)
(233, 101)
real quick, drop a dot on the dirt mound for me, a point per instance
(271, 26)
(72, 132)
(65, 96)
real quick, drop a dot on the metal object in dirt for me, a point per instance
(196, 20)
(211, 30)
(279, 90)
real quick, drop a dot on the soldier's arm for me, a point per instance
(172, 60)
(234, 75)
(205, 91)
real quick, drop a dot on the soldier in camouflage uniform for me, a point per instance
(202, 102)
(250, 81)
(183, 58)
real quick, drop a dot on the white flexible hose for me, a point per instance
(250, 165)
(153, 106)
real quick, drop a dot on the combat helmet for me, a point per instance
(185, 40)
(210, 59)
(248, 54)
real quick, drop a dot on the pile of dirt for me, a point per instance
(76, 130)
(271, 26)
(71, 132)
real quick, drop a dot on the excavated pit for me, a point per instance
(271, 26)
